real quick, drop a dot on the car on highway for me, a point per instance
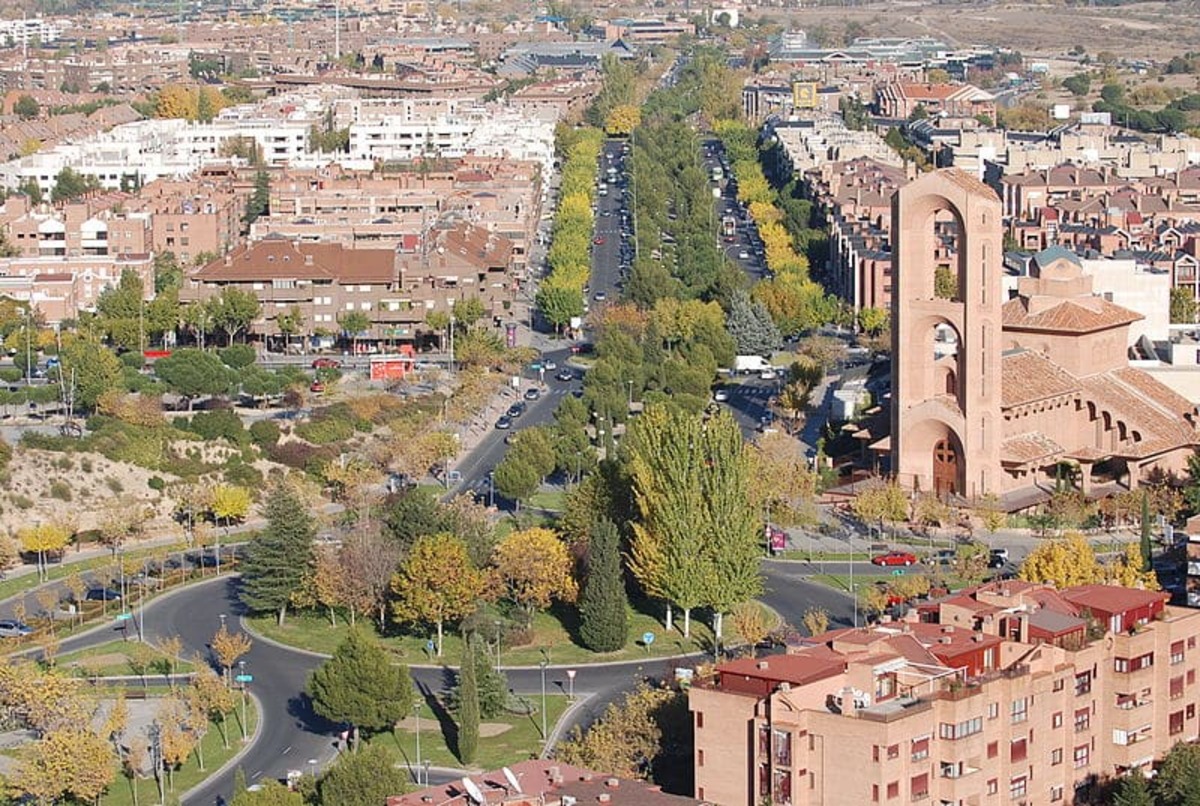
(326, 363)
(565, 375)
(743, 255)
(504, 423)
(533, 394)
(598, 240)
(102, 595)
(894, 558)
(515, 410)
(549, 366)
(10, 628)
(768, 375)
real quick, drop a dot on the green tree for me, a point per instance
(1133, 790)
(1178, 780)
(259, 203)
(436, 584)
(95, 368)
(360, 686)
(468, 705)
(233, 311)
(1146, 525)
(873, 321)
(167, 272)
(194, 373)
(70, 185)
(270, 793)
(1078, 84)
(365, 778)
(277, 558)
(32, 189)
(750, 324)
(945, 284)
(560, 304)
(354, 325)
(603, 609)
(1183, 306)
(515, 478)
(26, 107)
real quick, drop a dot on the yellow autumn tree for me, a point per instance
(1063, 562)
(43, 539)
(230, 503)
(1127, 570)
(534, 567)
(177, 101)
(73, 763)
(622, 120)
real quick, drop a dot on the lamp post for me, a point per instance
(222, 618)
(491, 489)
(543, 664)
(312, 767)
(417, 714)
(571, 685)
(242, 674)
(497, 625)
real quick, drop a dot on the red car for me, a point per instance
(598, 240)
(317, 386)
(326, 363)
(894, 558)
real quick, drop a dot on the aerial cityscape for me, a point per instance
(779, 403)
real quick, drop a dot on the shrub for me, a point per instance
(114, 485)
(10, 374)
(21, 501)
(298, 455)
(243, 475)
(264, 433)
(133, 360)
(65, 463)
(325, 430)
(220, 424)
(85, 464)
(156, 483)
(6, 453)
(60, 490)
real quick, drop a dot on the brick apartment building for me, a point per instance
(395, 289)
(1008, 693)
(61, 287)
(954, 102)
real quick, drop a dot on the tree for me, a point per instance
(72, 763)
(1146, 525)
(43, 539)
(436, 584)
(194, 373)
(354, 325)
(1064, 562)
(534, 567)
(881, 503)
(873, 321)
(751, 326)
(515, 478)
(1183, 306)
(751, 623)
(622, 120)
(365, 778)
(95, 368)
(631, 736)
(369, 559)
(259, 203)
(603, 608)
(815, 620)
(233, 311)
(945, 284)
(359, 686)
(290, 323)
(559, 304)
(1078, 84)
(468, 705)
(277, 558)
(1178, 778)
(26, 107)
(1133, 790)
(70, 185)
(230, 503)
(228, 647)
(270, 793)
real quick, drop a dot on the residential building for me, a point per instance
(1005, 693)
(63, 287)
(961, 103)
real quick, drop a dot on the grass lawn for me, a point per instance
(826, 556)
(11, 587)
(504, 740)
(549, 500)
(554, 632)
(113, 659)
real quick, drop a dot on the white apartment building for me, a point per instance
(24, 31)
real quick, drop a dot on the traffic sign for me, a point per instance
(244, 678)
(124, 616)
(647, 638)
(899, 572)
(430, 646)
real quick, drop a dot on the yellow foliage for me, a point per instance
(176, 101)
(1063, 562)
(44, 537)
(230, 503)
(535, 567)
(622, 120)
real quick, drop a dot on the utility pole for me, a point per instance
(337, 31)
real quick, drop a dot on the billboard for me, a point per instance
(804, 94)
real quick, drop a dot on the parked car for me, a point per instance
(102, 595)
(721, 395)
(894, 558)
(998, 558)
(533, 394)
(326, 363)
(317, 387)
(549, 365)
(600, 296)
(504, 423)
(768, 375)
(945, 557)
(10, 628)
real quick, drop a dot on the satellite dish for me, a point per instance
(473, 791)
(512, 780)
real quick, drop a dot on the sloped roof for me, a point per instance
(1028, 376)
(1074, 315)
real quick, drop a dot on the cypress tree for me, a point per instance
(604, 620)
(1147, 549)
(468, 706)
(277, 559)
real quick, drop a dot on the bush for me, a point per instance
(6, 453)
(325, 430)
(243, 475)
(133, 360)
(298, 455)
(22, 502)
(264, 433)
(10, 374)
(114, 485)
(156, 483)
(60, 490)
(219, 424)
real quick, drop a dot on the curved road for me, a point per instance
(291, 734)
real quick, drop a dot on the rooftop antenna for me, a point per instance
(512, 780)
(473, 792)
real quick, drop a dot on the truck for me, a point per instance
(743, 364)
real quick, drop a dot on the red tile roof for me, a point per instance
(1076, 315)
(1112, 598)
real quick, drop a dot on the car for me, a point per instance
(533, 394)
(504, 423)
(511, 437)
(606, 213)
(600, 296)
(102, 595)
(549, 366)
(721, 395)
(743, 255)
(10, 628)
(768, 375)
(998, 558)
(598, 240)
(317, 387)
(945, 557)
(894, 558)
(565, 375)
(326, 363)
(515, 410)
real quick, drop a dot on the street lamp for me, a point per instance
(497, 625)
(417, 714)
(571, 685)
(491, 489)
(543, 664)
(222, 618)
(312, 767)
(242, 675)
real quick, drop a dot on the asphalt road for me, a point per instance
(745, 238)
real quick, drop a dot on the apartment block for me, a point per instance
(97, 227)
(63, 287)
(1008, 693)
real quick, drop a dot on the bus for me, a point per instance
(728, 226)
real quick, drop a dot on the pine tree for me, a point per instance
(751, 326)
(1147, 549)
(365, 778)
(468, 706)
(1133, 790)
(360, 686)
(277, 559)
(492, 685)
(604, 620)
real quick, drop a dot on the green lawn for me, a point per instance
(11, 587)
(549, 500)
(113, 658)
(552, 632)
(520, 740)
(825, 556)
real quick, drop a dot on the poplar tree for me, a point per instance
(604, 619)
(468, 705)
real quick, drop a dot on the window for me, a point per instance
(893, 790)
(893, 751)
(920, 748)
(969, 727)
(1083, 683)
(951, 769)
(1175, 723)
(874, 793)
(1017, 787)
(1018, 750)
(1020, 710)
(1120, 664)
(1082, 755)
(783, 748)
(782, 791)
(1056, 794)
(1191, 711)
(1176, 652)
(919, 786)
(699, 719)
(1083, 719)
(1059, 684)
(1056, 756)
(1176, 687)
(1056, 720)
(1191, 676)
(993, 710)
(993, 786)
(699, 758)
(993, 749)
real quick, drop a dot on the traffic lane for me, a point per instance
(791, 594)
(748, 401)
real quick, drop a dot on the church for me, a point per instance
(992, 395)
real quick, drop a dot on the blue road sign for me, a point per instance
(647, 638)
(244, 678)
(124, 616)
(899, 572)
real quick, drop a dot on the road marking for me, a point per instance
(288, 750)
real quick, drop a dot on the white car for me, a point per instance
(549, 366)
(720, 395)
(768, 375)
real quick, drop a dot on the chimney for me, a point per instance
(308, 260)
(612, 783)
(762, 664)
(849, 706)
